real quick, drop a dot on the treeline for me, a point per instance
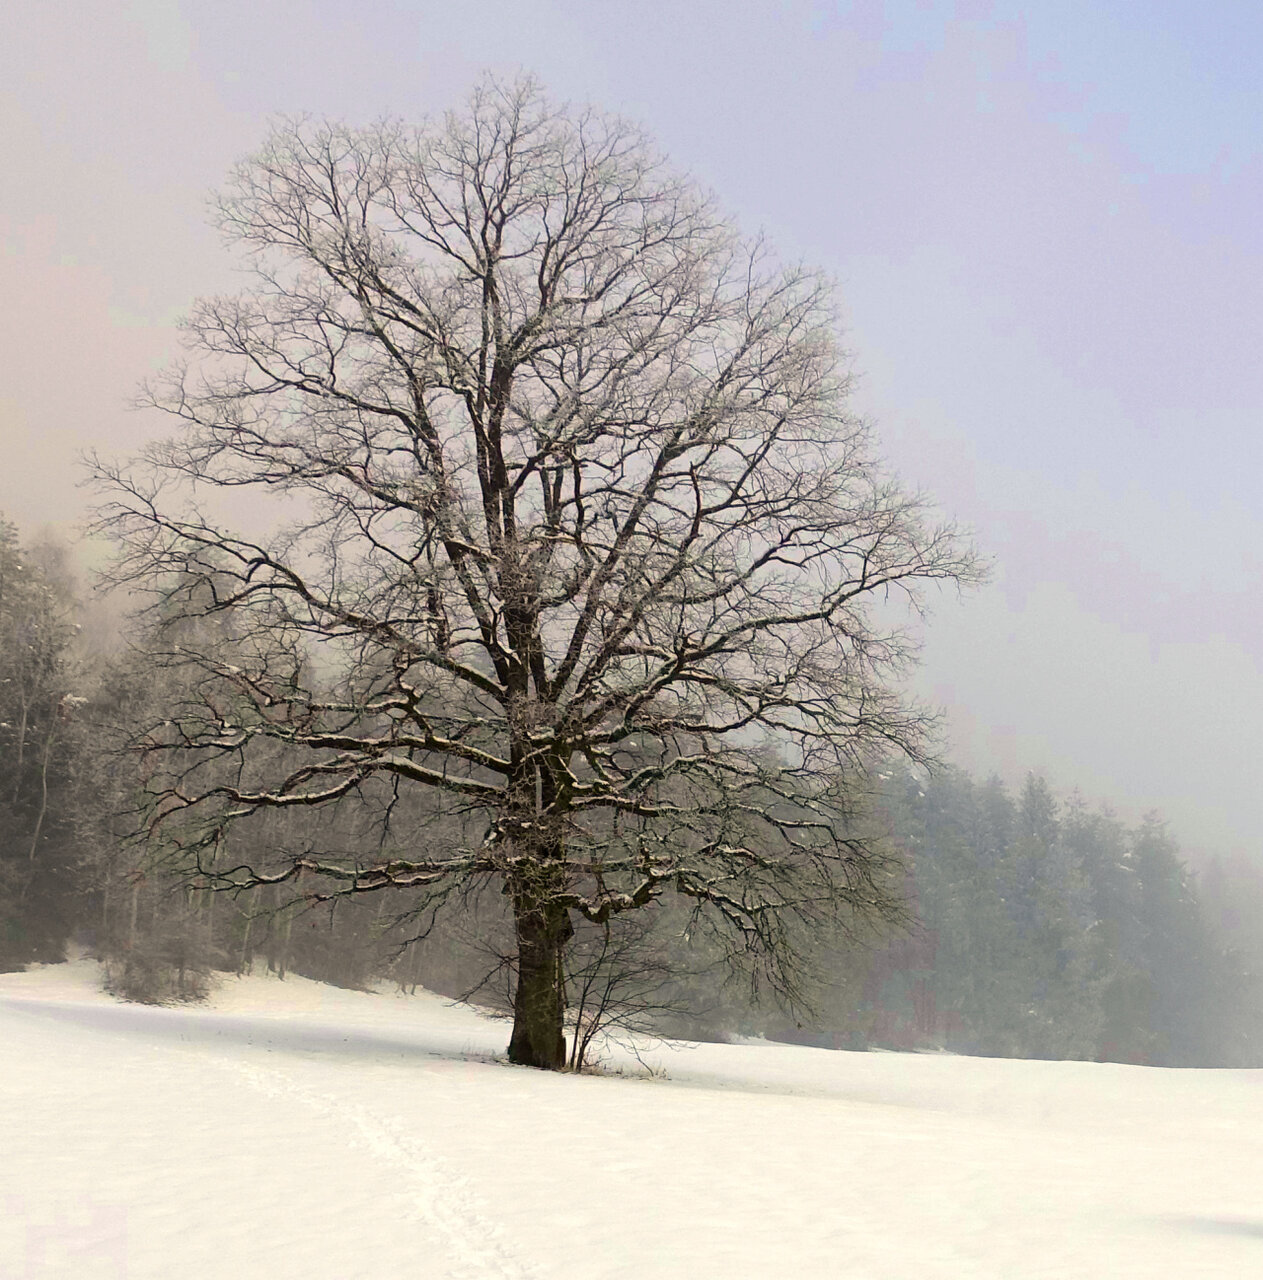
(43, 883)
(72, 870)
(1038, 926)
(1046, 928)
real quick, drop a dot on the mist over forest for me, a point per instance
(520, 607)
(1037, 924)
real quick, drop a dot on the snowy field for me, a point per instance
(296, 1130)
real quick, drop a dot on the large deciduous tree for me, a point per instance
(585, 545)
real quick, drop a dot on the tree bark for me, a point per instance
(539, 1002)
(246, 962)
(282, 964)
(135, 911)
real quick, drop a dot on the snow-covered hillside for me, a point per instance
(295, 1130)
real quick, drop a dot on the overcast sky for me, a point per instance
(1044, 218)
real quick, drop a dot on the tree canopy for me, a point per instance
(582, 572)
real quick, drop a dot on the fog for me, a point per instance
(1043, 220)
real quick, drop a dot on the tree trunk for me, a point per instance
(539, 1003)
(40, 816)
(282, 964)
(21, 744)
(131, 927)
(246, 963)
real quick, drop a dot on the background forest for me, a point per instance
(1038, 925)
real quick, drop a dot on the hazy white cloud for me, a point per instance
(168, 34)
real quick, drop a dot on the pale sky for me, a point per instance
(1044, 219)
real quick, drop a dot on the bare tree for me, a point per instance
(620, 983)
(587, 545)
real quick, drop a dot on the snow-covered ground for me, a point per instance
(295, 1130)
